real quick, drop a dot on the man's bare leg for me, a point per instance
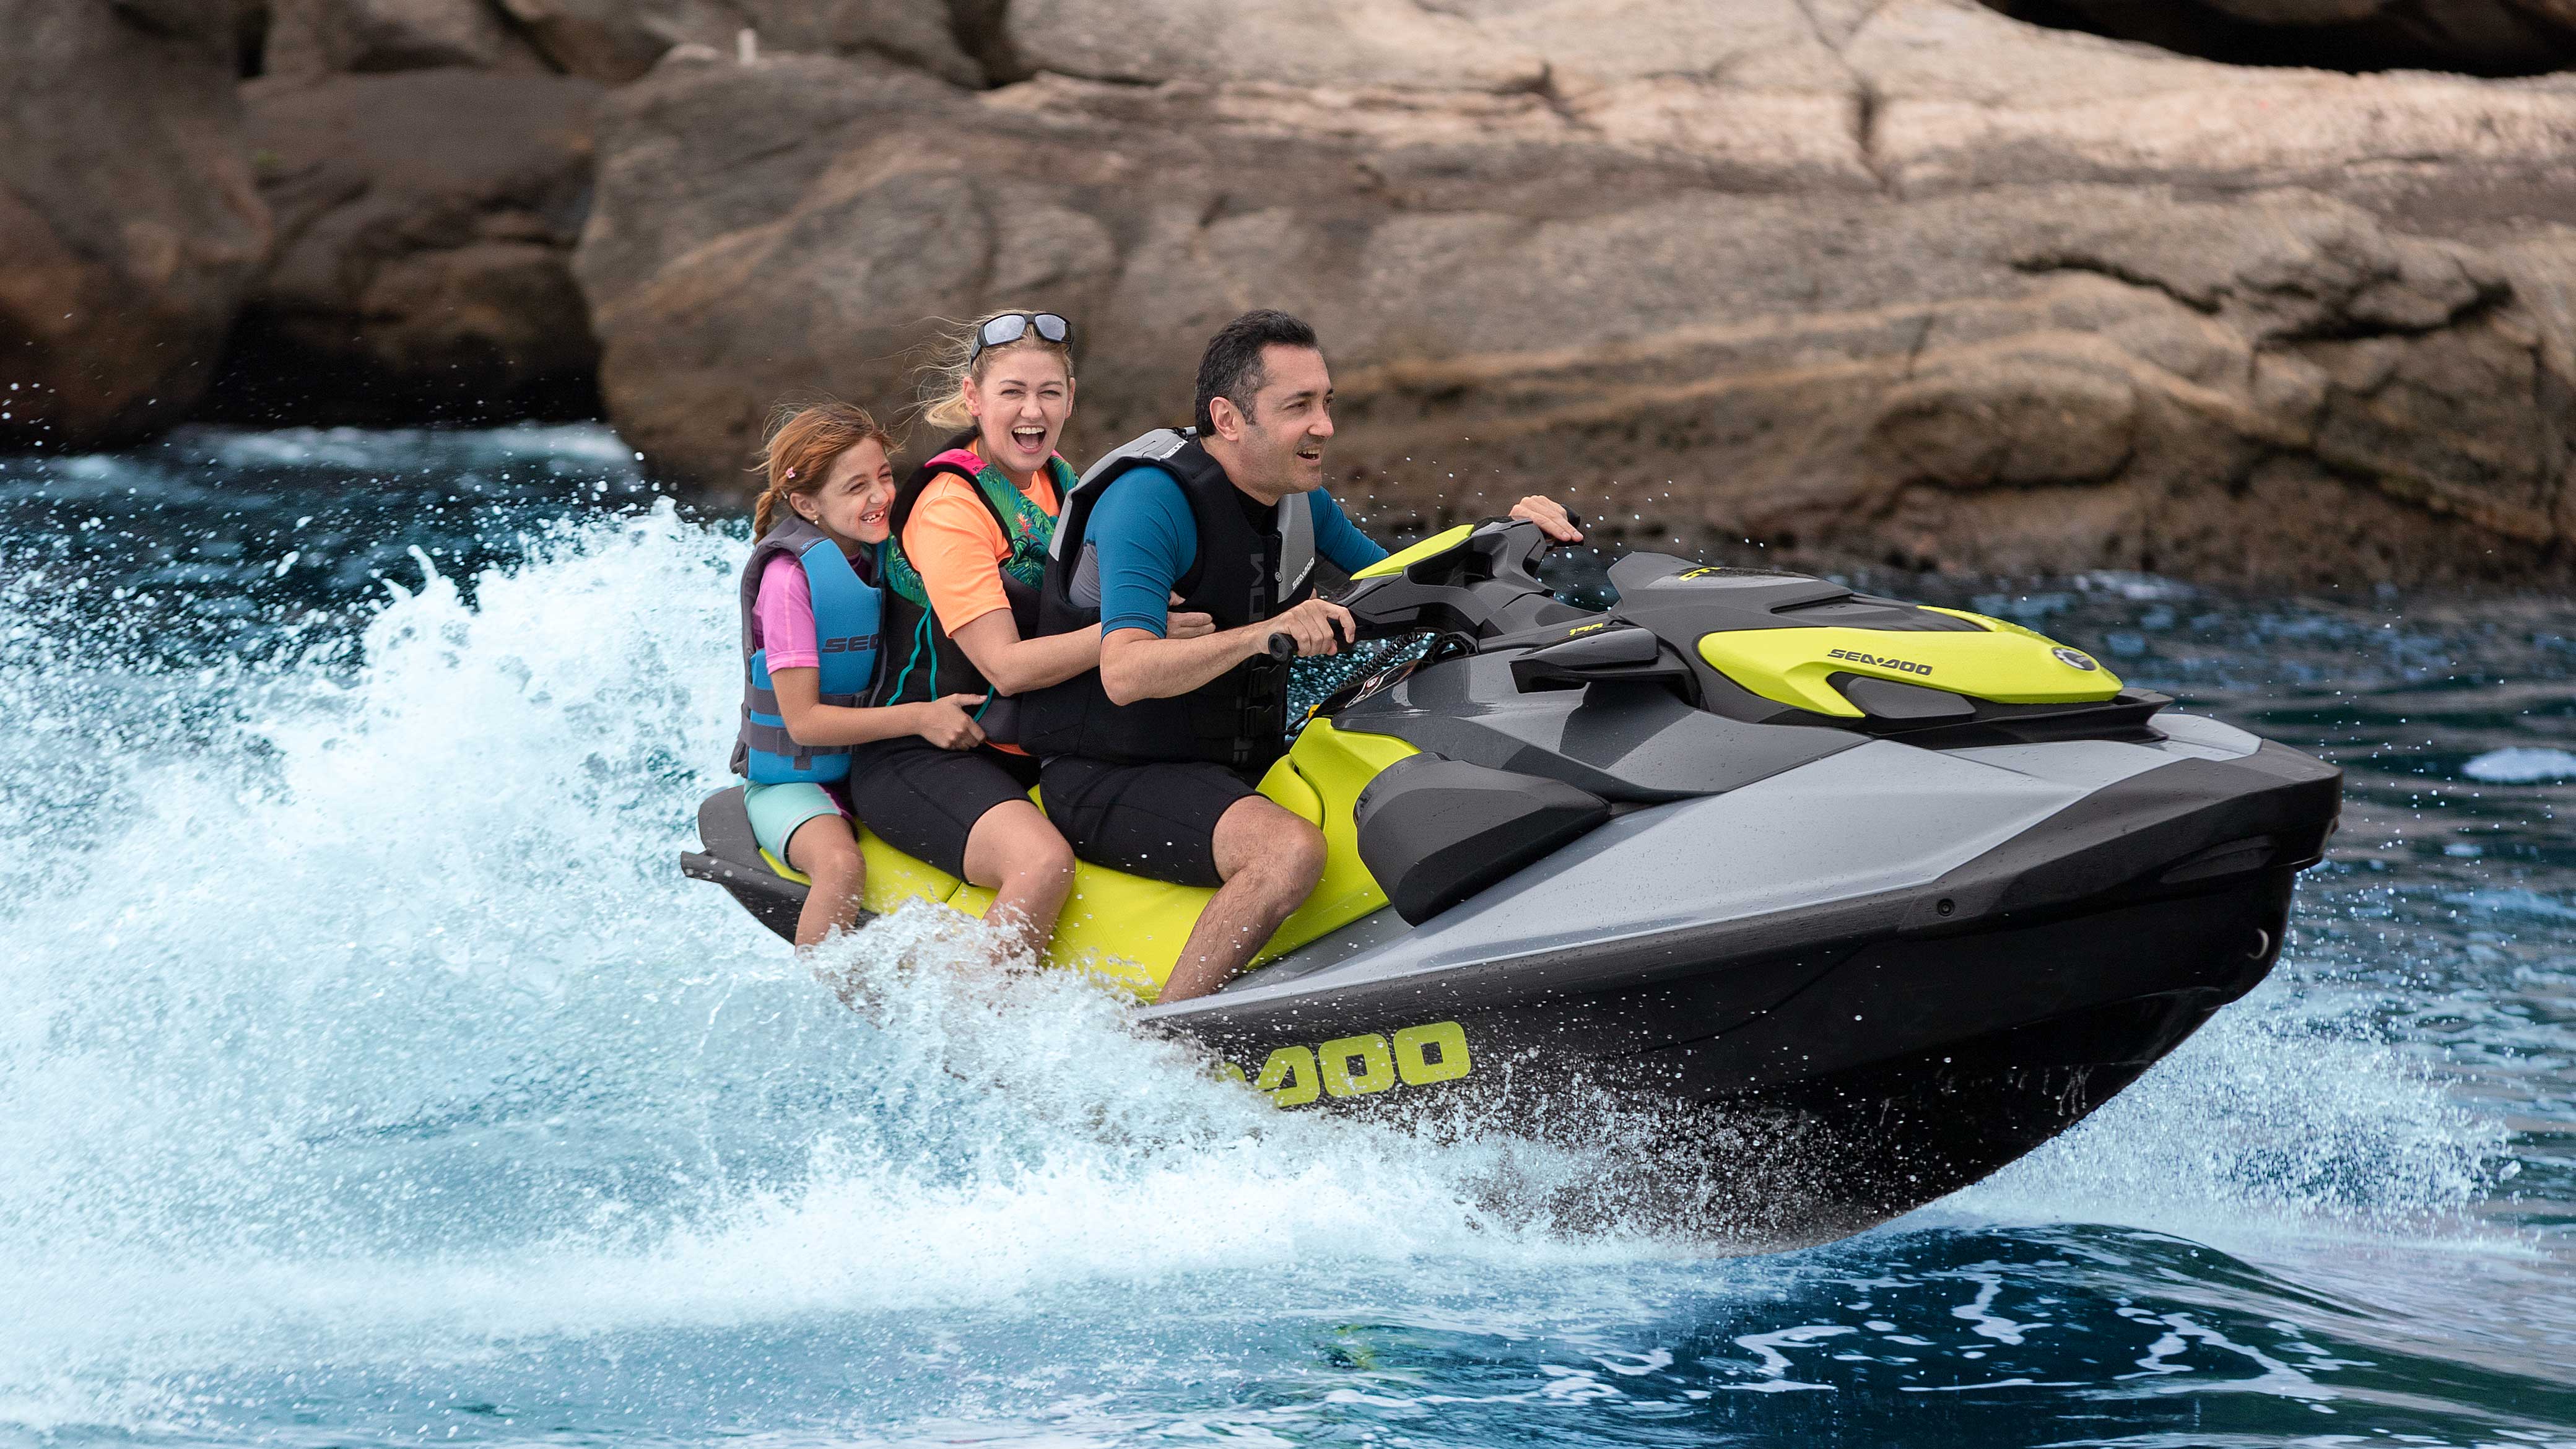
(1270, 861)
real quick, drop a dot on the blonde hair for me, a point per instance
(955, 361)
(799, 446)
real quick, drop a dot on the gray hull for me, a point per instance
(1823, 999)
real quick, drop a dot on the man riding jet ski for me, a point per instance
(1828, 904)
(1154, 759)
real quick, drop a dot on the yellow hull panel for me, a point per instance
(1432, 547)
(2005, 664)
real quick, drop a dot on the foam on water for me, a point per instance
(2521, 766)
(359, 1016)
(2280, 1116)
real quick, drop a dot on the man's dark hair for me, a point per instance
(1231, 366)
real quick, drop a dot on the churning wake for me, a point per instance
(357, 1013)
(357, 991)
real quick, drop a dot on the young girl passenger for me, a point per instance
(811, 630)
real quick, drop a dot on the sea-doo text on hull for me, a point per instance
(1822, 905)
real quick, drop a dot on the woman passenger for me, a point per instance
(971, 529)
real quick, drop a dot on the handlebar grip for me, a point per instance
(1282, 648)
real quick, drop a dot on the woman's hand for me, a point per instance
(1186, 626)
(945, 723)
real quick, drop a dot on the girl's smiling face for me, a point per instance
(857, 496)
(1020, 404)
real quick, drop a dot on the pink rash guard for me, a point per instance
(782, 616)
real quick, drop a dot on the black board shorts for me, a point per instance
(1156, 820)
(924, 801)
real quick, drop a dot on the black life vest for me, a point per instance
(922, 662)
(1245, 572)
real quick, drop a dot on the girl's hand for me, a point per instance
(945, 723)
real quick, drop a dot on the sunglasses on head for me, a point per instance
(1012, 326)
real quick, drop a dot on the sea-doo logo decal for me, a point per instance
(2075, 657)
(1361, 1066)
(1907, 665)
(850, 644)
(1581, 629)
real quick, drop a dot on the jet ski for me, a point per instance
(1790, 907)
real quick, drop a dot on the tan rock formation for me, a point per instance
(425, 222)
(614, 41)
(920, 33)
(308, 39)
(1909, 282)
(129, 226)
(608, 41)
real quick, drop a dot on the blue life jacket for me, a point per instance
(847, 619)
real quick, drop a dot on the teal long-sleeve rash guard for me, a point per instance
(1147, 540)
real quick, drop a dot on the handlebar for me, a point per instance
(1283, 647)
(1483, 585)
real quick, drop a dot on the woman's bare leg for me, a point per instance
(825, 850)
(1015, 853)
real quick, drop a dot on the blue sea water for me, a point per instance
(368, 1075)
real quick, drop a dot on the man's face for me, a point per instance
(1282, 446)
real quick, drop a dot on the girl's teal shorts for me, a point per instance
(776, 811)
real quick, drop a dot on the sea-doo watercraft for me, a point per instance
(1828, 902)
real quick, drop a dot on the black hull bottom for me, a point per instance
(1831, 1156)
(1842, 1085)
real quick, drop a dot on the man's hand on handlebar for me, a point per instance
(1318, 626)
(1550, 516)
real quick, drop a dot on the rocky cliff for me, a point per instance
(1911, 282)
(1916, 281)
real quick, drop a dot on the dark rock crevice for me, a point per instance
(2493, 38)
(282, 371)
(250, 39)
(2049, 263)
(983, 33)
